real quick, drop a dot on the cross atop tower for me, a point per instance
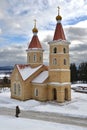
(58, 10)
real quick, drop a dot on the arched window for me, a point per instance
(55, 50)
(64, 50)
(40, 57)
(15, 89)
(35, 58)
(29, 58)
(19, 89)
(54, 61)
(36, 92)
(64, 61)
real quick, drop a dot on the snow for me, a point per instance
(77, 107)
(59, 70)
(58, 83)
(3, 75)
(76, 85)
(41, 77)
(13, 123)
(27, 71)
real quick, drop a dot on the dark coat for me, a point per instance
(17, 111)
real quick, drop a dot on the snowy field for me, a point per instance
(76, 107)
(13, 123)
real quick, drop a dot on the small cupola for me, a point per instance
(35, 43)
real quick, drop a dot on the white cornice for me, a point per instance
(59, 69)
(34, 50)
(60, 42)
(59, 53)
(59, 84)
(36, 63)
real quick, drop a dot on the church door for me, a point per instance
(54, 94)
(66, 94)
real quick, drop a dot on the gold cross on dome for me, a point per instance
(58, 10)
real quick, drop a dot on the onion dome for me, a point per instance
(35, 30)
(58, 17)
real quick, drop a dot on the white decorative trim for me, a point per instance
(35, 33)
(39, 84)
(59, 53)
(34, 49)
(36, 63)
(59, 21)
(59, 69)
(59, 84)
(60, 42)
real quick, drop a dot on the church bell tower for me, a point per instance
(59, 65)
(35, 50)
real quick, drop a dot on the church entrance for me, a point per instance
(54, 94)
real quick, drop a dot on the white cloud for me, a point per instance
(0, 30)
(16, 19)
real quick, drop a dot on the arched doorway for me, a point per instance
(54, 94)
(66, 94)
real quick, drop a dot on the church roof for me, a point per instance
(59, 33)
(35, 43)
(41, 77)
(26, 70)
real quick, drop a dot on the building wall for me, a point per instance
(15, 80)
(59, 87)
(25, 86)
(63, 92)
(39, 92)
(59, 76)
(35, 58)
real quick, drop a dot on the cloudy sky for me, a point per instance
(17, 20)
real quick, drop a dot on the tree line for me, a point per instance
(5, 82)
(79, 73)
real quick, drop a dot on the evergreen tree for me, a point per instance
(83, 72)
(73, 69)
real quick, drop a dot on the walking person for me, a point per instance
(17, 111)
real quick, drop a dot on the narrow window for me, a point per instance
(55, 50)
(64, 61)
(15, 88)
(34, 57)
(40, 57)
(19, 90)
(64, 50)
(54, 61)
(36, 92)
(29, 58)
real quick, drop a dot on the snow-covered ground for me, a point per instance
(13, 123)
(76, 107)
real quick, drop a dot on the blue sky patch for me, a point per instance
(76, 20)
